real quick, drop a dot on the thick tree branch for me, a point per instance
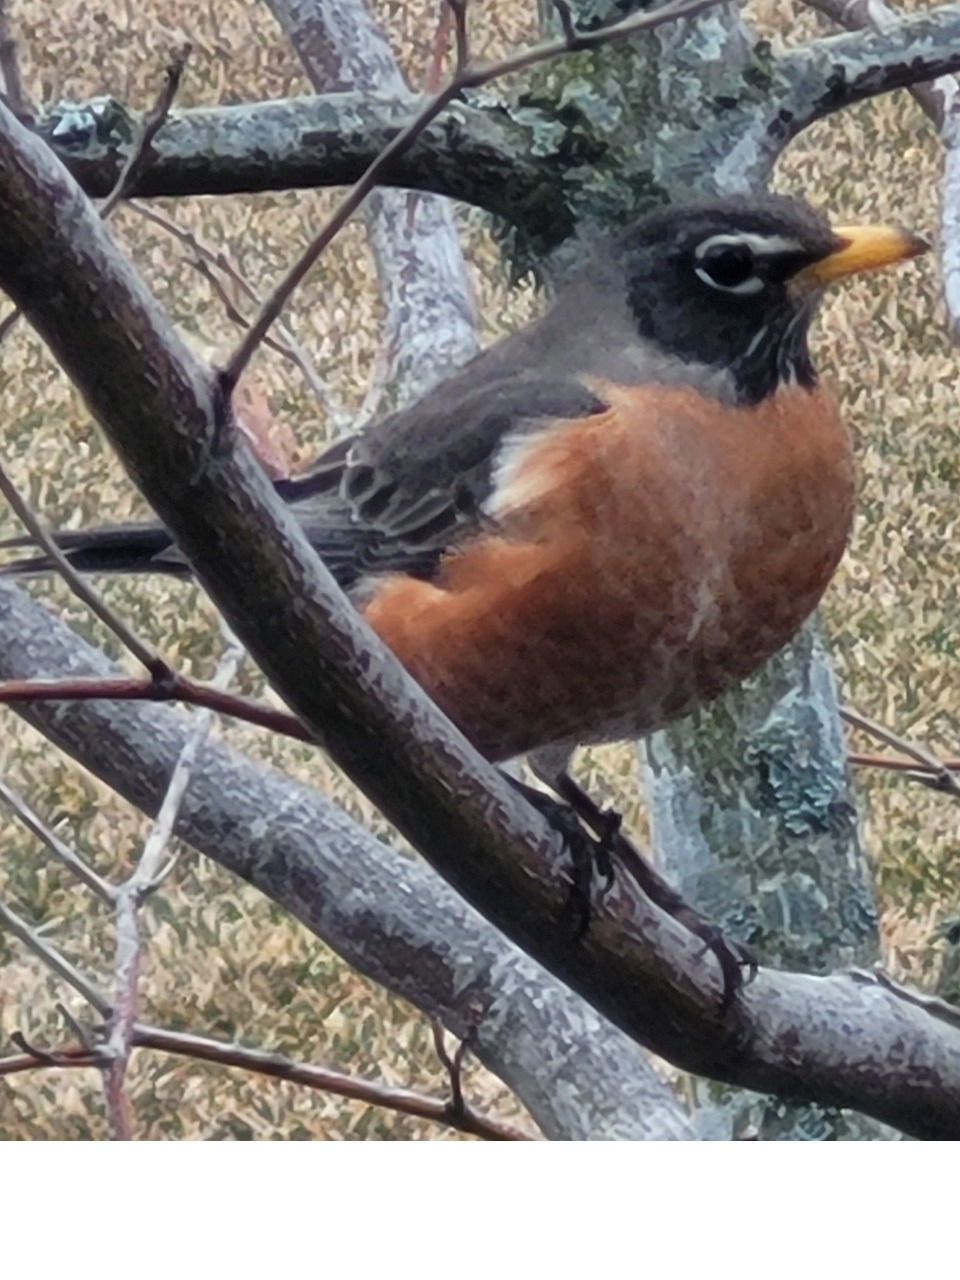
(473, 154)
(521, 164)
(827, 75)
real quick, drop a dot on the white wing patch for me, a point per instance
(515, 484)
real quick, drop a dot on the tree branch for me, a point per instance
(429, 326)
(389, 917)
(836, 1041)
(826, 75)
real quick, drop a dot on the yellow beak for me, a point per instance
(861, 249)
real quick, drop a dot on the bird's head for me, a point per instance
(732, 284)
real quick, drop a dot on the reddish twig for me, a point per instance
(277, 1067)
(932, 771)
(176, 688)
(898, 765)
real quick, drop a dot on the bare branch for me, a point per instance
(80, 586)
(942, 775)
(69, 857)
(139, 157)
(178, 688)
(465, 77)
(275, 1066)
(405, 1101)
(49, 954)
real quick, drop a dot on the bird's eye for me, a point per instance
(728, 264)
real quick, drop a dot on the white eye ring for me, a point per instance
(761, 246)
(753, 284)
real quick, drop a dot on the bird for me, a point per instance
(607, 518)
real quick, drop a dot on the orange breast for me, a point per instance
(646, 560)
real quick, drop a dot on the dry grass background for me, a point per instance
(224, 961)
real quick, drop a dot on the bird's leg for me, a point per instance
(587, 854)
(733, 957)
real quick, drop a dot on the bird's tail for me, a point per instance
(122, 548)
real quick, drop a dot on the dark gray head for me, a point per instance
(733, 283)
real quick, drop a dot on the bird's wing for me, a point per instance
(396, 497)
(392, 499)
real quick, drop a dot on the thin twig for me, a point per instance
(565, 18)
(34, 1057)
(79, 585)
(581, 41)
(59, 848)
(453, 1066)
(466, 76)
(402, 1100)
(945, 780)
(130, 897)
(277, 1067)
(53, 958)
(896, 764)
(178, 688)
(151, 124)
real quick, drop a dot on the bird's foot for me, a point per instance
(589, 855)
(738, 965)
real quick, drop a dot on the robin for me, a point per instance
(606, 519)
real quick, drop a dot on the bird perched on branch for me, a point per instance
(605, 520)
